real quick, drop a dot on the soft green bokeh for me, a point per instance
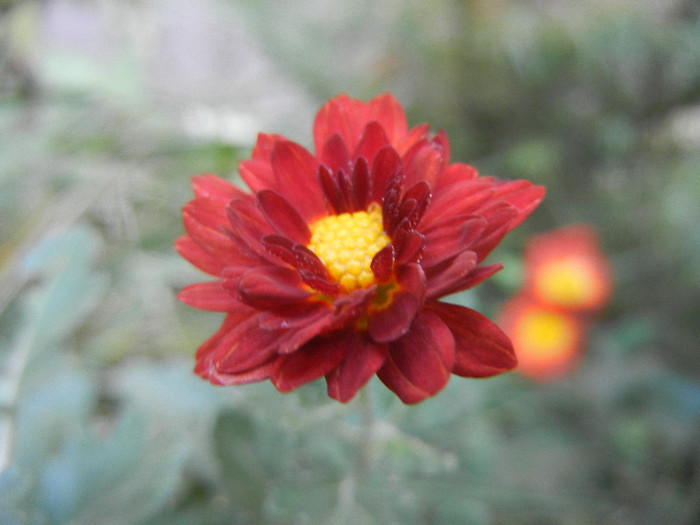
(107, 108)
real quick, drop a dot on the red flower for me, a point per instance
(566, 269)
(335, 264)
(548, 341)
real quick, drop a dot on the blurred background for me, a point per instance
(107, 107)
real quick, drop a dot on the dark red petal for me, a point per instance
(295, 178)
(451, 238)
(482, 349)
(362, 360)
(385, 167)
(419, 364)
(242, 347)
(331, 190)
(408, 243)
(320, 284)
(469, 280)
(216, 188)
(271, 286)
(372, 140)
(420, 194)
(391, 203)
(335, 154)
(208, 296)
(361, 184)
(443, 277)
(283, 217)
(393, 321)
(382, 264)
(424, 162)
(309, 261)
(308, 363)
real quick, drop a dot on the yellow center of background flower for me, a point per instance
(569, 283)
(346, 243)
(546, 333)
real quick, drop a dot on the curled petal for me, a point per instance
(382, 264)
(270, 286)
(482, 349)
(419, 364)
(386, 166)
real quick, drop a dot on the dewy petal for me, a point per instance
(393, 321)
(310, 362)
(482, 349)
(385, 167)
(419, 364)
(208, 296)
(283, 217)
(362, 360)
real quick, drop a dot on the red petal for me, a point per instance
(373, 139)
(471, 279)
(270, 286)
(482, 349)
(443, 278)
(257, 173)
(335, 154)
(195, 254)
(257, 373)
(386, 110)
(295, 178)
(283, 217)
(382, 264)
(451, 238)
(392, 322)
(385, 167)
(362, 360)
(419, 364)
(423, 162)
(341, 115)
(310, 362)
(208, 296)
(216, 188)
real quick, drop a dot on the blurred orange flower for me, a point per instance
(567, 278)
(548, 342)
(565, 268)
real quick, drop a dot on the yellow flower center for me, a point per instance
(546, 334)
(569, 283)
(346, 243)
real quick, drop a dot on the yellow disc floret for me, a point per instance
(347, 242)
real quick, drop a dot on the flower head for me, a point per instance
(548, 341)
(565, 268)
(333, 265)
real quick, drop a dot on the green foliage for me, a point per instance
(101, 418)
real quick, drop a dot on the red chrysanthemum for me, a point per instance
(335, 263)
